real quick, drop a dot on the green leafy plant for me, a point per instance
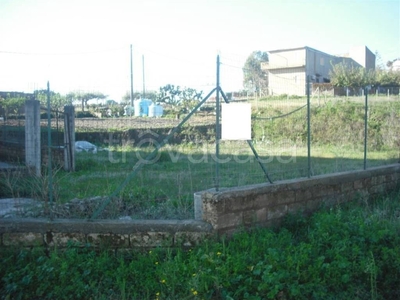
(349, 251)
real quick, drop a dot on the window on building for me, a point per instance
(321, 61)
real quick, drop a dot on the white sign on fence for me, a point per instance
(236, 121)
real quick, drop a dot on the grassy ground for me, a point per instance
(351, 251)
(164, 187)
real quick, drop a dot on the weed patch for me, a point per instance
(351, 251)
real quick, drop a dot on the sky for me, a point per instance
(86, 45)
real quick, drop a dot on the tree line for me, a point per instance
(348, 75)
(179, 100)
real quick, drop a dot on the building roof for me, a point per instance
(285, 50)
(315, 50)
(298, 48)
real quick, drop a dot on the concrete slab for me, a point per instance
(6, 167)
(9, 206)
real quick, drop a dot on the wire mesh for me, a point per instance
(278, 126)
(126, 167)
(383, 138)
(12, 125)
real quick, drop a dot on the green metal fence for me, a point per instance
(145, 167)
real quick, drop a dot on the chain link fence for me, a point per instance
(149, 165)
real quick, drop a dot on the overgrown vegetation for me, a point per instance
(339, 122)
(349, 75)
(351, 251)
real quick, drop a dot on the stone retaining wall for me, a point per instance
(222, 212)
(107, 233)
(266, 204)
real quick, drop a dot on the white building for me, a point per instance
(289, 68)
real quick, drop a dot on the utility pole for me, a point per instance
(144, 85)
(217, 127)
(131, 78)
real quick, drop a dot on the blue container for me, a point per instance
(155, 111)
(141, 107)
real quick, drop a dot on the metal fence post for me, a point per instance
(69, 138)
(308, 128)
(365, 127)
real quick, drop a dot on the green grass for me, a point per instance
(169, 182)
(351, 251)
(164, 190)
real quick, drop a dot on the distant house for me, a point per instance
(289, 68)
(395, 65)
(363, 56)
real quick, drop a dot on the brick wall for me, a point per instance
(266, 204)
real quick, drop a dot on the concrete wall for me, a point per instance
(318, 65)
(287, 58)
(286, 73)
(222, 212)
(32, 136)
(107, 233)
(266, 205)
(287, 81)
(363, 56)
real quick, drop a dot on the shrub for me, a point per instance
(85, 114)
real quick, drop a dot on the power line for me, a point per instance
(61, 53)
